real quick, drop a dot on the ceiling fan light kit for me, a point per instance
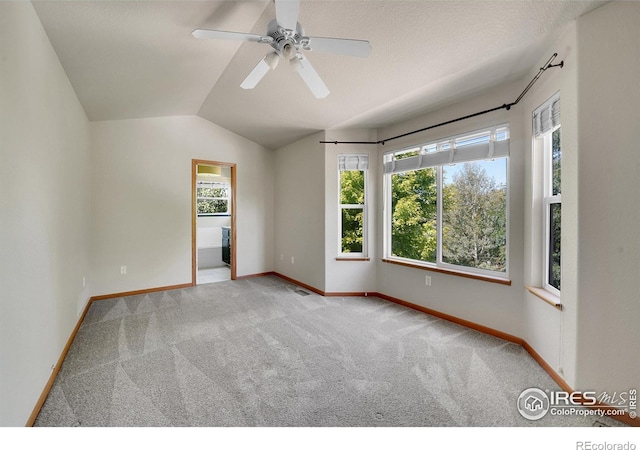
(286, 36)
(272, 59)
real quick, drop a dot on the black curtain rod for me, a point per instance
(507, 106)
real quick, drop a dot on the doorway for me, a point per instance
(213, 221)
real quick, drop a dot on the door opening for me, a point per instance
(213, 221)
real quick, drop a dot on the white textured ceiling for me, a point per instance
(132, 59)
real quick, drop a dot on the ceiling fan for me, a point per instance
(286, 36)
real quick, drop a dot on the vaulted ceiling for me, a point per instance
(134, 59)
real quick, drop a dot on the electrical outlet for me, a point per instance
(84, 282)
(281, 257)
(123, 270)
(293, 261)
(427, 280)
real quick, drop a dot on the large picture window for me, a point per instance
(447, 203)
(353, 204)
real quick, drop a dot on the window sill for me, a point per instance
(546, 296)
(473, 276)
(353, 259)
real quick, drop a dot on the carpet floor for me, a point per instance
(257, 353)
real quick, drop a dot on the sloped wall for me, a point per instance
(44, 199)
(141, 189)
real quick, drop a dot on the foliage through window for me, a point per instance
(353, 178)
(414, 214)
(451, 209)
(474, 215)
(553, 209)
(213, 198)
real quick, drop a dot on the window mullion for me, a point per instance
(439, 216)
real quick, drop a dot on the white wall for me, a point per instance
(489, 304)
(349, 276)
(552, 333)
(141, 192)
(299, 207)
(593, 342)
(44, 199)
(609, 211)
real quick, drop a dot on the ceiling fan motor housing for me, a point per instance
(285, 42)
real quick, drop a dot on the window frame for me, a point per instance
(548, 199)
(438, 146)
(221, 184)
(364, 207)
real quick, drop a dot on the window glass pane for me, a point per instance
(556, 157)
(554, 244)
(212, 192)
(430, 148)
(211, 206)
(413, 214)
(352, 226)
(352, 187)
(474, 215)
(473, 140)
(502, 134)
(407, 153)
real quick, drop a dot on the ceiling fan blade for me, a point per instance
(311, 78)
(257, 74)
(287, 13)
(350, 47)
(230, 35)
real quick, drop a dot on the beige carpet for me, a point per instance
(256, 353)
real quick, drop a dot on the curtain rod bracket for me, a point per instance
(506, 106)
